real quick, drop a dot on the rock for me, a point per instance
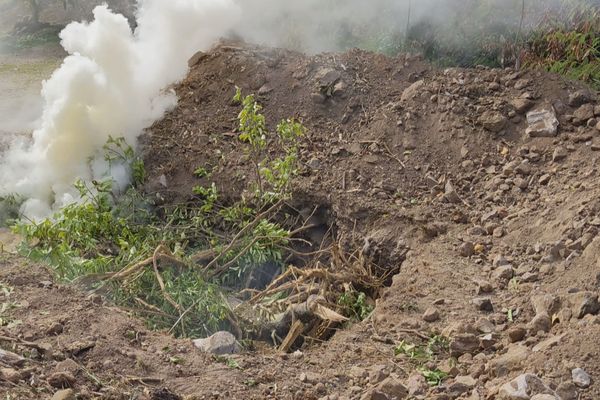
(65, 394)
(546, 303)
(484, 287)
(484, 325)
(541, 322)
(510, 361)
(542, 122)
(450, 194)
(413, 90)
(61, 380)
(10, 375)
(55, 329)
(67, 365)
(548, 343)
(567, 391)
(583, 303)
(521, 105)
(493, 121)
(521, 84)
(581, 378)
(544, 397)
(580, 97)
(483, 304)
(393, 389)
(544, 179)
(464, 343)
(378, 373)
(516, 334)
(431, 315)
(560, 153)
(500, 261)
(417, 385)
(505, 273)
(220, 343)
(584, 112)
(467, 249)
(524, 387)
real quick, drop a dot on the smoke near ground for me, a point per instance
(112, 83)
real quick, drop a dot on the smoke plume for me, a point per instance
(111, 84)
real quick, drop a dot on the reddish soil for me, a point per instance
(415, 179)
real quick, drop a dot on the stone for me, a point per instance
(431, 315)
(581, 378)
(541, 322)
(544, 397)
(393, 389)
(524, 387)
(450, 194)
(483, 304)
(500, 261)
(467, 249)
(417, 385)
(10, 375)
(484, 287)
(584, 112)
(560, 153)
(65, 394)
(580, 97)
(378, 373)
(521, 105)
(413, 90)
(493, 121)
(61, 380)
(548, 343)
(505, 272)
(516, 334)
(220, 343)
(484, 325)
(546, 303)
(542, 122)
(567, 391)
(67, 365)
(509, 361)
(464, 343)
(583, 303)
(521, 84)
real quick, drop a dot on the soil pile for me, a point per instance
(479, 187)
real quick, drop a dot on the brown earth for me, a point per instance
(439, 182)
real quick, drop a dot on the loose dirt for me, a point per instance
(492, 233)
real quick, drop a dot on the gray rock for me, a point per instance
(467, 249)
(542, 122)
(579, 97)
(583, 303)
(524, 387)
(581, 378)
(220, 343)
(567, 391)
(450, 194)
(544, 397)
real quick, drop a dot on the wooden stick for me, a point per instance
(295, 331)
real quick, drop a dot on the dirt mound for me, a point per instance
(490, 219)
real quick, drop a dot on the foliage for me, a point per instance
(568, 43)
(273, 174)
(106, 232)
(354, 305)
(422, 354)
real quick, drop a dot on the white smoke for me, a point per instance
(111, 84)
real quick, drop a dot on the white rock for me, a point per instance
(581, 378)
(220, 343)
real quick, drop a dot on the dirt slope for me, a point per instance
(431, 172)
